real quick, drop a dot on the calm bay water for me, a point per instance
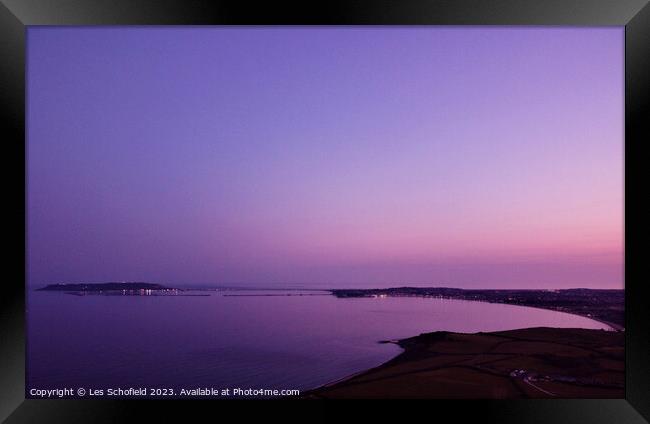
(283, 342)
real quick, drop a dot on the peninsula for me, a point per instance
(105, 287)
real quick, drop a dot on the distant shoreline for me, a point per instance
(606, 306)
(602, 305)
(110, 286)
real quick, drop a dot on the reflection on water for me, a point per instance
(240, 338)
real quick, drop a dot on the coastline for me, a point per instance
(559, 364)
(612, 326)
(364, 371)
(598, 305)
(400, 342)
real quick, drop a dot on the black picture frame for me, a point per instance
(17, 15)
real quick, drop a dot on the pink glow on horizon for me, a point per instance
(481, 157)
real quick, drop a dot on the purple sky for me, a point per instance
(468, 157)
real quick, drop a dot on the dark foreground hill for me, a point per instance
(527, 363)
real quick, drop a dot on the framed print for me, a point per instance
(310, 207)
